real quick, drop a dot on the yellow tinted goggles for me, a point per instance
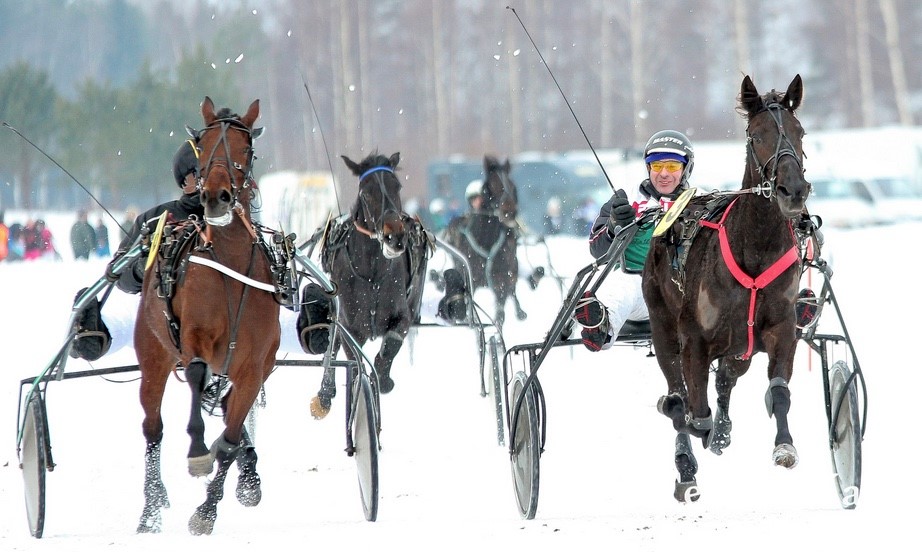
(671, 166)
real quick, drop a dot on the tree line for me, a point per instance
(108, 93)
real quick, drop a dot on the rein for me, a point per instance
(753, 284)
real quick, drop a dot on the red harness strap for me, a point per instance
(744, 279)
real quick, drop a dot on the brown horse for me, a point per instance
(721, 284)
(215, 322)
(488, 238)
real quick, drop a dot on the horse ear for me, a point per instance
(394, 160)
(353, 166)
(251, 115)
(208, 111)
(750, 100)
(192, 132)
(795, 93)
(257, 132)
(507, 166)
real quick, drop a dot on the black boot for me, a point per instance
(92, 339)
(453, 307)
(313, 323)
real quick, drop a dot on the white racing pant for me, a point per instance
(622, 296)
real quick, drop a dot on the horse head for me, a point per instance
(499, 194)
(774, 145)
(225, 149)
(378, 212)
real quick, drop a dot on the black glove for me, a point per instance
(621, 214)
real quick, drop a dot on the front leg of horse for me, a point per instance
(155, 496)
(686, 487)
(390, 346)
(202, 521)
(200, 458)
(321, 403)
(778, 403)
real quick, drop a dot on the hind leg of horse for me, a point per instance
(778, 404)
(200, 459)
(237, 406)
(155, 495)
(202, 521)
(390, 346)
(728, 371)
(519, 311)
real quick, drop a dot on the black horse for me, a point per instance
(376, 256)
(721, 284)
(488, 238)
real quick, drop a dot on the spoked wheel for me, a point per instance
(365, 440)
(495, 355)
(845, 434)
(526, 447)
(33, 463)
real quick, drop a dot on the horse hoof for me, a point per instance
(199, 525)
(521, 315)
(671, 406)
(249, 491)
(150, 523)
(320, 408)
(201, 465)
(686, 491)
(386, 383)
(785, 455)
(249, 496)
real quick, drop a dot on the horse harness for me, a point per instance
(488, 255)
(719, 205)
(182, 239)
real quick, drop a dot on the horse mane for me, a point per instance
(750, 98)
(375, 159)
(226, 113)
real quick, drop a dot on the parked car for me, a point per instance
(843, 203)
(895, 199)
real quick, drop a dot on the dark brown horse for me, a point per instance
(488, 238)
(377, 258)
(215, 322)
(722, 283)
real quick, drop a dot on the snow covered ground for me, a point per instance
(606, 475)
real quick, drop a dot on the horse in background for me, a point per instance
(488, 238)
(722, 282)
(195, 316)
(376, 256)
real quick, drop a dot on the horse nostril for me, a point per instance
(225, 196)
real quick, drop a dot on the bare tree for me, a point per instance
(897, 67)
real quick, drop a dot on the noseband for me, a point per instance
(784, 146)
(225, 161)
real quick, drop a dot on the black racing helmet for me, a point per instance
(185, 161)
(668, 144)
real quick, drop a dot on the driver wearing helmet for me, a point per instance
(92, 339)
(474, 195)
(185, 173)
(669, 158)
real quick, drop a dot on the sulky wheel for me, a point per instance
(365, 439)
(33, 463)
(845, 434)
(526, 447)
